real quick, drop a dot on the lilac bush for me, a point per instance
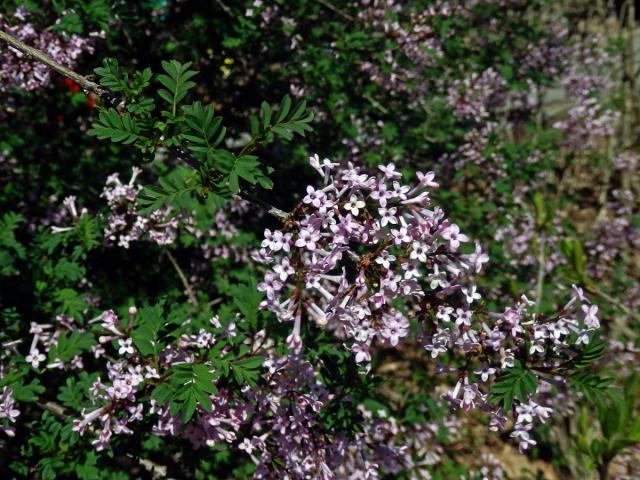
(192, 293)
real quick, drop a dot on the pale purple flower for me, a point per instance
(354, 205)
(126, 346)
(35, 358)
(453, 235)
(590, 316)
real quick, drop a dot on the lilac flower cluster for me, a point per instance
(519, 236)
(267, 13)
(356, 245)
(550, 54)
(355, 248)
(588, 124)
(415, 39)
(479, 148)
(16, 71)
(614, 232)
(391, 448)
(8, 412)
(221, 232)
(118, 402)
(526, 414)
(366, 139)
(126, 224)
(500, 337)
(276, 423)
(477, 95)
(45, 337)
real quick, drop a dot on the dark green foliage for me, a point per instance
(517, 382)
(176, 82)
(10, 249)
(116, 127)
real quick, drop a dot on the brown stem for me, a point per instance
(34, 53)
(603, 470)
(333, 8)
(183, 278)
(271, 210)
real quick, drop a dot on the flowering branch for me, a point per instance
(182, 154)
(58, 411)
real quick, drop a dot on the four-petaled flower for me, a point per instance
(354, 205)
(126, 346)
(590, 316)
(35, 357)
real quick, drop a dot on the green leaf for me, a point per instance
(119, 128)
(573, 251)
(10, 249)
(69, 23)
(192, 384)
(249, 363)
(590, 353)
(540, 209)
(28, 392)
(162, 393)
(247, 298)
(70, 345)
(516, 382)
(71, 302)
(149, 322)
(204, 133)
(248, 167)
(111, 77)
(247, 370)
(189, 406)
(176, 82)
(265, 115)
(285, 107)
(89, 469)
(65, 270)
(172, 190)
(596, 390)
(75, 392)
(286, 123)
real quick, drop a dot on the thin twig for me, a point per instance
(615, 302)
(335, 9)
(271, 210)
(540, 280)
(376, 104)
(183, 278)
(40, 56)
(53, 408)
(224, 7)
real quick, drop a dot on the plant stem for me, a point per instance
(271, 210)
(333, 8)
(540, 280)
(183, 278)
(42, 57)
(603, 470)
(615, 302)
